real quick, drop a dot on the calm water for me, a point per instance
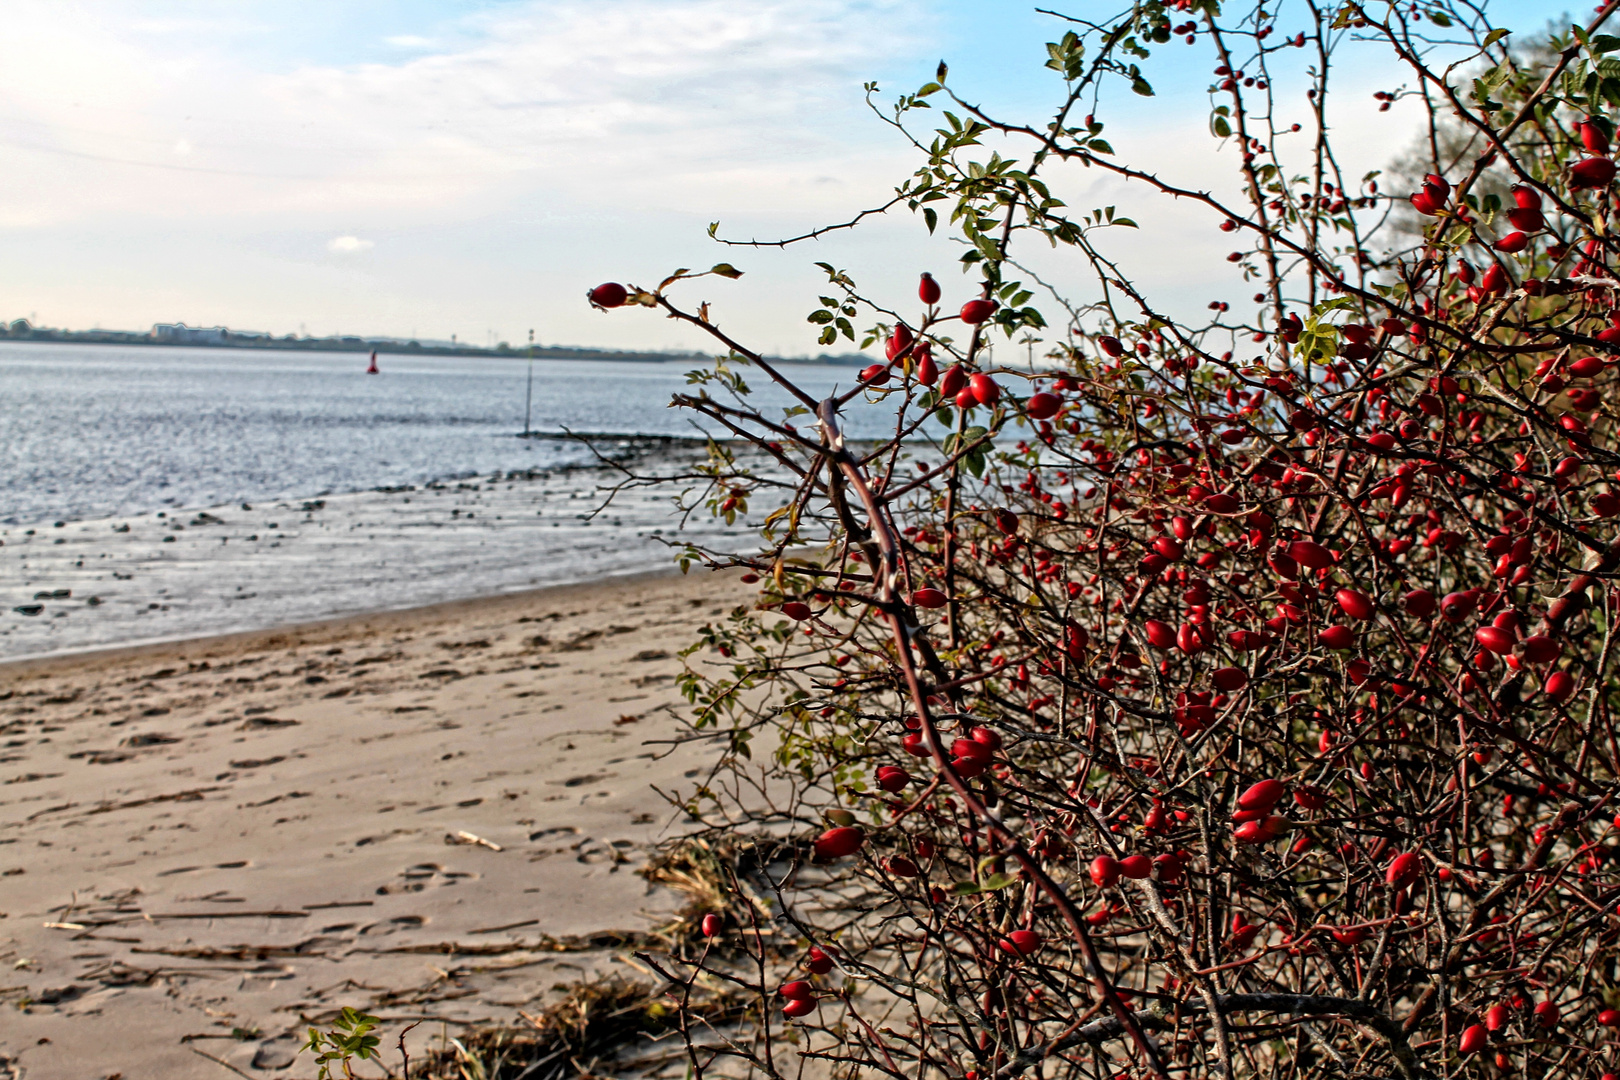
(97, 431)
(150, 495)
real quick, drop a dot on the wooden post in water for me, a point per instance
(528, 393)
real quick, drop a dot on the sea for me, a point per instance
(153, 494)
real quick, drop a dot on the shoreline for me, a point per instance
(336, 625)
(169, 576)
(608, 449)
(433, 812)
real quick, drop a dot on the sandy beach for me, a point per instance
(206, 846)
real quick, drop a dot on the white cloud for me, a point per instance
(736, 100)
(507, 156)
(515, 156)
(584, 97)
(348, 245)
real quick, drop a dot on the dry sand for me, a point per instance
(208, 845)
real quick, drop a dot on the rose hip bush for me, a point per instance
(1219, 695)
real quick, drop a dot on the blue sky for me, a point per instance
(455, 166)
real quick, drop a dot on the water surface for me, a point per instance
(94, 431)
(151, 494)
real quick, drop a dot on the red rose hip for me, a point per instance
(975, 312)
(1105, 871)
(985, 390)
(1043, 406)
(1022, 943)
(1403, 870)
(797, 1007)
(928, 289)
(839, 842)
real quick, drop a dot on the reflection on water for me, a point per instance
(150, 494)
(92, 431)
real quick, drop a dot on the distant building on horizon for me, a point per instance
(181, 334)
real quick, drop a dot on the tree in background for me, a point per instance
(1222, 696)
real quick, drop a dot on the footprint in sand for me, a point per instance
(269, 973)
(393, 926)
(193, 869)
(101, 757)
(265, 723)
(258, 763)
(154, 738)
(277, 1053)
(59, 995)
(553, 841)
(414, 879)
(591, 851)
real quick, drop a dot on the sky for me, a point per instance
(471, 167)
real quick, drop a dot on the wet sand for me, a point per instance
(69, 586)
(209, 845)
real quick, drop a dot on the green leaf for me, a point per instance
(965, 888)
(820, 317)
(997, 881)
(930, 217)
(1221, 128)
(1101, 146)
(726, 270)
(1127, 222)
(1496, 35)
(929, 88)
(1482, 95)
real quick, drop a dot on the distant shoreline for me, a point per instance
(398, 348)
